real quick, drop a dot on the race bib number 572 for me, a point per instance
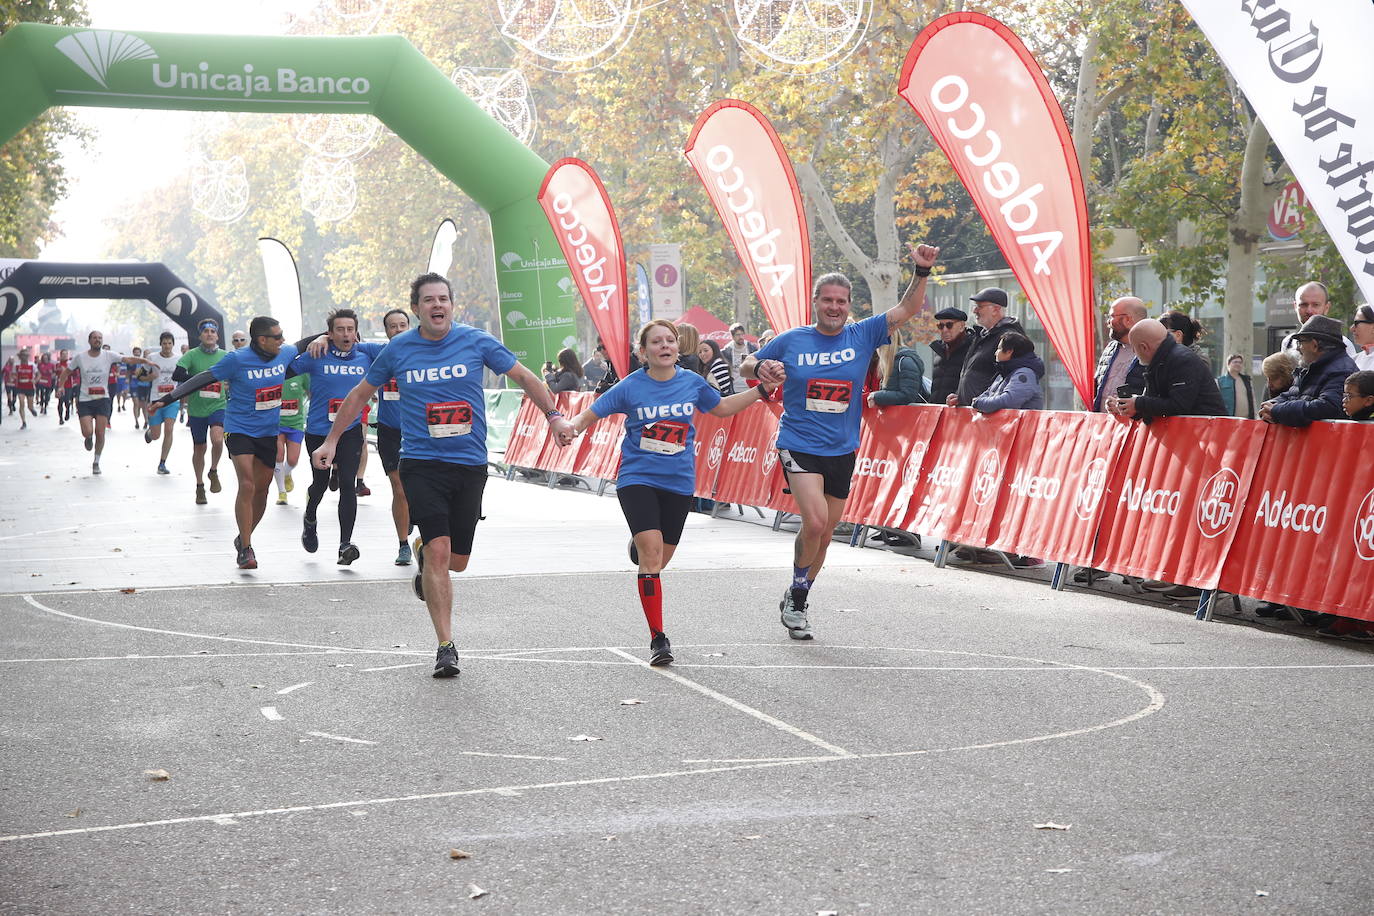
(450, 418)
(825, 395)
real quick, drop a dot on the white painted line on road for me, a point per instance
(285, 690)
(764, 759)
(394, 667)
(257, 642)
(344, 738)
(29, 534)
(270, 713)
(737, 705)
(508, 756)
(63, 558)
(132, 658)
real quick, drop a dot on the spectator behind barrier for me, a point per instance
(1358, 399)
(902, 372)
(1362, 329)
(1017, 385)
(715, 368)
(1237, 389)
(1278, 369)
(1185, 329)
(1178, 382)
(1311, 299)
(735, 353)
(594, 369)
(1319, 382)
(688, 341)
(950, 351)
(1117, 367)
(980, 366)
(568, 376)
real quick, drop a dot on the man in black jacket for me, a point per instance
(980, 365)
(1319, 383)
(950, 351)
(1178, 382)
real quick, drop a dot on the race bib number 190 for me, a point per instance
(267, 398)
(824, 395)
(450, 418)
(666, 437)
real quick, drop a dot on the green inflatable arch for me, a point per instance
(43, 65)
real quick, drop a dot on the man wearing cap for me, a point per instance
(980, 365)
(205, 408)
(1178, 382)
(1320, 380)
(1362, 329)
(1311, 299)
(950, 352)
(1117, 367)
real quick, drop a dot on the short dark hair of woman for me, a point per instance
(1016, 344)
(1175, 320)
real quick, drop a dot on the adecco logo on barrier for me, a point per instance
(1090, 493)
(989, 473)
(1216, 504)
(1364, 527)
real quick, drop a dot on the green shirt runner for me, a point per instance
(213, 396)
(293, 394)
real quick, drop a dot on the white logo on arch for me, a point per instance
(98, 50)
(11, 301)
(181, 301)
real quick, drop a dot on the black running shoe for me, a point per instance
(348, 553)
(446, 660)
(334, 479)
(418, 582)
(660, 651)
(247, 559)
(634, 552)
(310, 538)
(90, 441)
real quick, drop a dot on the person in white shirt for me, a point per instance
(1362, 329)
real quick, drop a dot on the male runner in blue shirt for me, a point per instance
(821, 368)
(438, 370)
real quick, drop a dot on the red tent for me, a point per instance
(709, 326)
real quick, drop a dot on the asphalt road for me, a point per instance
(907, 761)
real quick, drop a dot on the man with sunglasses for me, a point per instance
(949, 351)
(251, 418)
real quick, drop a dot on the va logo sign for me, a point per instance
(989, 473)
(1364, 527)
(1090, 490)
(717, 450)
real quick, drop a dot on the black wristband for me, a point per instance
(920, 271)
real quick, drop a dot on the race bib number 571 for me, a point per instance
(666, 437)
(450, 418)
(825, 395)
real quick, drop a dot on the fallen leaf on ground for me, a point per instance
(459, 854)
(399, 645)
(255, 687)
(754, 836)
(1058, 871)
(127, 591)
(713, 655)
(1261, 893)
(76, 813)
(336, 599)
(157, 775)
(117, 550)
(583, 738)
(474, 892)
(609, 838)
(631, 702)
(1053, 826)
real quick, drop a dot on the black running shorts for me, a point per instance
(445, 500)
(100, 407)
(389, 447)
(837, 470)
(652, 509)
(263, 448)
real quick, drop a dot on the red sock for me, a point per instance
(651, 599)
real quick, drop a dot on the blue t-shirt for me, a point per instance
(332, 376)
(254, 407)
(657, 450)
(822, 398)
(443, 409)
(388, 401)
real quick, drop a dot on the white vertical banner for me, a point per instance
(441, 250)
(665, 275)
(283, 286)
(1305, 67)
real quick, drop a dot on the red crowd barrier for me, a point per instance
(1268, 512)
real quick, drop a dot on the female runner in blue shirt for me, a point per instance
(657, 461)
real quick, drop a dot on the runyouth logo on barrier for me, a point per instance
(1216, 504)
(770, 455)
(989, 473)
(717, 449)
(1364, 527)
(1093, 487)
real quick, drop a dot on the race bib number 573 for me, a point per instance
(825, 395)
(450, 418)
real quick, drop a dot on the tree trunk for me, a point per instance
(1085, 106)
(1245, 229)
